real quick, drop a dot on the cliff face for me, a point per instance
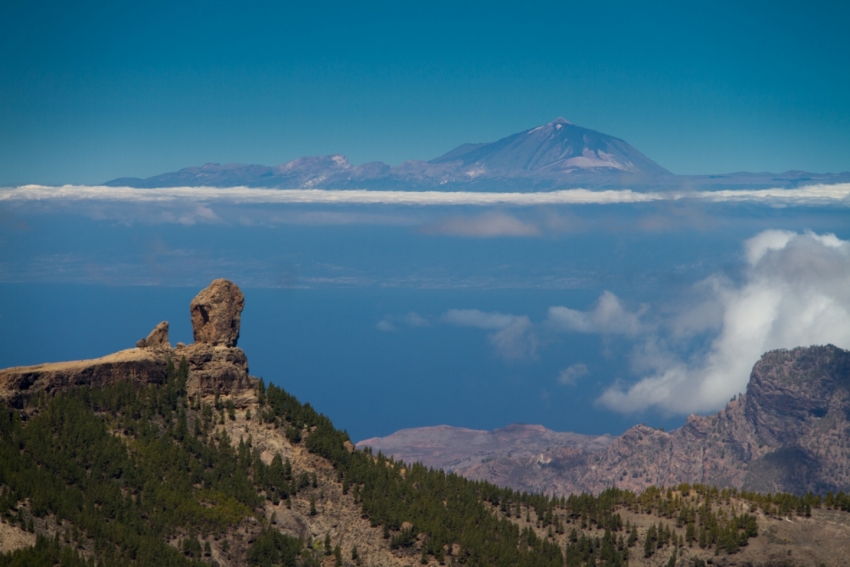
(788, 433)
(18, 384)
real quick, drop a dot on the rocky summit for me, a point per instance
(216, 313)
(788, 433)
(216, 366)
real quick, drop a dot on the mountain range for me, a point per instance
(788, 433)
(557, 155)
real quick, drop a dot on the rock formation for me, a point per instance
(788, 433)
(216, 314)
(20, 383)
(216, 366)
(218, 370)
(158, 338)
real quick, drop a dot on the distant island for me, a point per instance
(557, 155)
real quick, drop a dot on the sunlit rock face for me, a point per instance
(158, 338)
(216, 314)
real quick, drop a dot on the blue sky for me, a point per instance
(96, 90)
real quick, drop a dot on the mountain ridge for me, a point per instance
(556, 155)
(778, 437)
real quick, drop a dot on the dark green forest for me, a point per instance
(127, 468)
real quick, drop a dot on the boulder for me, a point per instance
(216, 314)
(158, 338)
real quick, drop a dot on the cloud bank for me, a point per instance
(837, 194)
(796, 292)
(488, 225)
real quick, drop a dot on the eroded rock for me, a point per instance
(158, 338)
(216, 314)
(218, 370)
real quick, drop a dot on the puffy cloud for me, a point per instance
(391, 323)
(386, 326)
(607, 317)
(488, 225)
(414, 319)
(200, 213)
(516, 341)
(514, 337)
(795, 293)
(571, 374)
(476, 318)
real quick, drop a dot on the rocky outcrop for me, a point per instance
(789, 433)
(216, 366)
(218, 370)
(158, 338)
(19, 384)
(216, 314)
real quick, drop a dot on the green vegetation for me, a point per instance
(130, 467)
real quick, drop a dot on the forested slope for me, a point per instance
(178, 457)
(139, 474)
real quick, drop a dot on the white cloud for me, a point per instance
(836, 194)
(570, 375)
(414, 319)
(514, 337)
(488, 225)
(795, 293)
(475, 318)
(607, 317)
(516, 341)
(200, 213)
(391, 323)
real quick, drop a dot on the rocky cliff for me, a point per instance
(788, 433)
(216, 365)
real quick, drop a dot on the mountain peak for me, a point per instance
(559, 147)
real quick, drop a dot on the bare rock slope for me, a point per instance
(788, 433)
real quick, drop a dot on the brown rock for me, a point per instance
(219, 370)
(216, 313)
(19, 384)
(158, 338)
(786, 434)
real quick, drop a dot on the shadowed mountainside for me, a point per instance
(787, 433)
